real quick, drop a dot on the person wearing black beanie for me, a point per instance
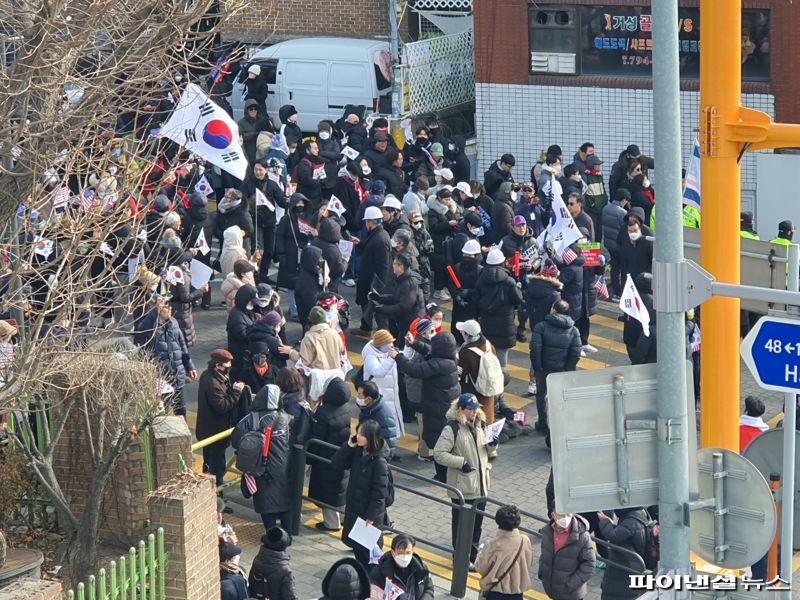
(271, 574)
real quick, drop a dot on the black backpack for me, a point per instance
(651, 553)
(390, 492)
(258, 587)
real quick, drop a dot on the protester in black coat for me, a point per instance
(502, 216)
(307, 286)
(440, 386)
(392, 173)
(543, 291)
(330, 234)
(636, 254)
(496, 297)
(255, 88)
(406, 303)
(454, 152)
(267, 331)
(330, 151)
(233, 211)
(292, 235)
(264, 216)
(629, 533)
(309, 174)
(348, 189)
(642, 349)
(467, 271)
(376, 250)
(572, 277)
(368, 486)
(194, 221)
(258, 371)
(331, 423)
(271, 565)
(183, 296)
(240, 320)
(289, 127)
(272, 499)
(498, 172)
(251, 125)
(415, 579)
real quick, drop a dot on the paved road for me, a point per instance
(519, 474)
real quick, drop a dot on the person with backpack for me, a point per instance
(369, 489)
(261, 440)
(461, 449)
(504, 562)
(634, 530)
(567, 559)
(271, 575)
(480, 372)
(415, 349)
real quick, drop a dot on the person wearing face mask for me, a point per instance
(635, 252)
(405, 569)
(258, 372)
(231, 211)
(567, 558)
(442, 222)
(330, 150)
(470, 227)
(217, 410)
(240, 320)
(289, 128)
(551, 170)
(255, 88)
(268, 330)
(467, 271)
(415, 199)
(461, 450)
(376, 250)
(262, 178)
(406, 302)
(417, 346)
(251, 125)
(497, 173)
(417, 153)
(310, 175)
(293, 234)
(505, 561)
(530, 208)
(392, 173)
(423, 242)
(381, 370)
(621, 168)
(642, 193)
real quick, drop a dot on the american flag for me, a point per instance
(61, 197)
(601, 287)
(87, 199)
(568, 256)
(694, 340)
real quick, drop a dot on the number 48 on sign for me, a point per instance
(778, 346)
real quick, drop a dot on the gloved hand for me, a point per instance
(602, 260)
(492, 443)
(466, 467)
(460, 300)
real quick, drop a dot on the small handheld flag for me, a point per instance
(601, 287)
(202, 244)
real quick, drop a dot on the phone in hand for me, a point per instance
(354, 439)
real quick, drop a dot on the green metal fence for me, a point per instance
(139, 576)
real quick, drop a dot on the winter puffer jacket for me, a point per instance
(289, 239)
(331, 423)
(240, 320)
(540, 296)
(467, 272)
(195, 219)
(405, 304)
(345, 580)
(613, 215)
(415, 580)
(493, 177)
(367, 488)
(307, 285)
(330, 233)
(502, 218)
(273, 492)
(232, 250)
(374, 270)
(565, 574)
(291, 131)
(629, 532)
(234, 215)
(171, 352)
(310, 174)
(383, 414)
(264, 333)
(555, 345)
(495, 298)
(183, 296)
(439, 375)
(468, 444)
(572, 277)
(216, 404)
(273, 566)
(231, 285)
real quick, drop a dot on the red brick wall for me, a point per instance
(501, 49)
(277, 20)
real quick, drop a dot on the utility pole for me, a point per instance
(672, 423)
(395, 44)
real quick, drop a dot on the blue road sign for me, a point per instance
(772, 353)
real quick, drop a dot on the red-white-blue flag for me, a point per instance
(691, 190)
(601, 287)
(568, 256)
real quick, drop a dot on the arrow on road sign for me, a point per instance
(772, 353)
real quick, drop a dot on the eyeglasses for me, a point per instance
(249, 108)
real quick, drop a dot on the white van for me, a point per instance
(320, 76)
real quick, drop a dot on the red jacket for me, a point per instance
(749, 427)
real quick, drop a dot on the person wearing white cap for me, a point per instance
(376, 252)
(393, 216)
(467, 271)
(443, 179)
(469, 361)
(496, 297)
(255, 87)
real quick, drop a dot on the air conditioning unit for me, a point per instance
(553, 62)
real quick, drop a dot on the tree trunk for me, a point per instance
(82, 545)
(3, 548)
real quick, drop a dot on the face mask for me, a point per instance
(563, 522)
(385, 348)
(362, 402)
(431, 336)
(634, 235)
(417, 225)
(476, 231)
(249, 306)
(324, 135)
(292, 119)
(299, 209)
(393, 243)
(366, 170)
(473, 338)
(403, 560)
(260, 360)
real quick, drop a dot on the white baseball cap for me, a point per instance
(463, 187)
(255, 69)
(445, 173)
(471, 247)
(392, 202)
(471, 327)
(495, 256)
(373, 213)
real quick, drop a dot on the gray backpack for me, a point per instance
(250, 454)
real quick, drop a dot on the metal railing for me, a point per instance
(301, 456)
(140, 576)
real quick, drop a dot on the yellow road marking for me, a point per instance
(607, 322)
(613, 345)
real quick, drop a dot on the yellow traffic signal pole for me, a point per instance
(727, 130)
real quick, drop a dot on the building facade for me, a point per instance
(581, 70)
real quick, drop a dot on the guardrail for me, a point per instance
(300, 457)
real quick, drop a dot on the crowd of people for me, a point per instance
(406, 227)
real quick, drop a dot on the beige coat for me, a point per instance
(321, 348)
(496, 556)
(231, 285)
(469, 444)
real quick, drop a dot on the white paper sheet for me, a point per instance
(493, 431)
(201, 274)
(346, 248)
(364, 535)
